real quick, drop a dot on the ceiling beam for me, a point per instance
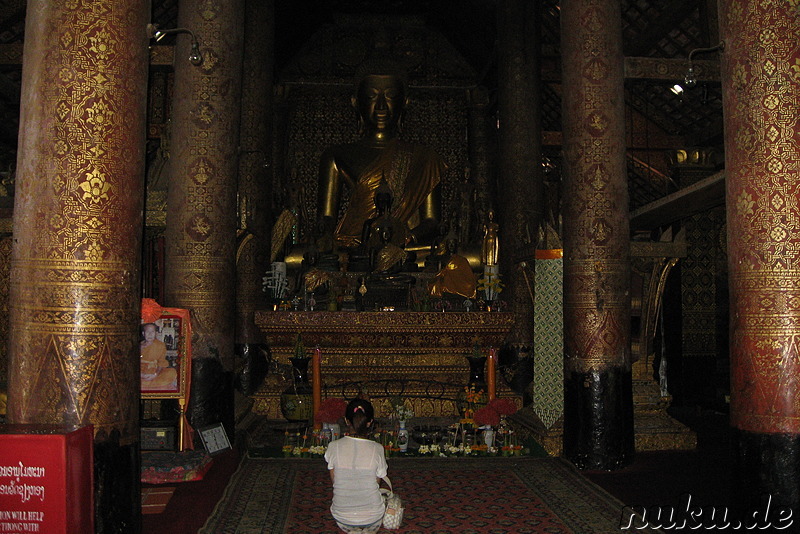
(701, 196)
(671, 70)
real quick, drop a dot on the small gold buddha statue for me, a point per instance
(411, 171)
(389, 258)
(371, 236)
(455, 277)
(490, 247)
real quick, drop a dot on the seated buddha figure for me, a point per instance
(412, 172)
(370, 235)
(455, 277)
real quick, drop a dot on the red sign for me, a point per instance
(46, 479)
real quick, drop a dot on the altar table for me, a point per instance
(411, 348)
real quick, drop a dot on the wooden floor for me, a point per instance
(653, 479)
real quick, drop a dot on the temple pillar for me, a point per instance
(75, 267)
(598, 405)
(253, 233)
(279, 137)
(201, 199)
(762, 156)
(521, 189)
(480, 141)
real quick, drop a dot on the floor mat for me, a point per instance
(442, 496)
(154, 500)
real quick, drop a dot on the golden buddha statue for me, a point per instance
(490, 248)
(455, 277)
(412, 172)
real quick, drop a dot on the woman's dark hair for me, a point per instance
(359, 414)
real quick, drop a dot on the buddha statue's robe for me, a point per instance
(412, 172)
(390, 259)
(455, 277)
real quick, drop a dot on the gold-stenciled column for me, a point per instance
(252, 256)
(760, 87)
(598, 400)
(75, 268)
(521, 189)
(482, 148)
(200, 234)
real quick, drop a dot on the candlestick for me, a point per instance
(491, 376)
(316, 384)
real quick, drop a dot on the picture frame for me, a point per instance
(166, 366)
(215, 439)
(165, 359)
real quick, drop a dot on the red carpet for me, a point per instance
(189, 506)
(442, 496)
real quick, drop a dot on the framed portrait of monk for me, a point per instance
(163, 358)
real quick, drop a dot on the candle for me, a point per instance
(491, 375)
(316, 384)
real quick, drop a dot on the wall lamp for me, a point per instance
(195, 57)
(691, 78)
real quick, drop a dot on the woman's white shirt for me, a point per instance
(358, 464)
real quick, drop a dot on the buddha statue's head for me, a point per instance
(380, 97)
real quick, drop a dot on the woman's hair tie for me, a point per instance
(358, 409)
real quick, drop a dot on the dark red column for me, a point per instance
(520, 187)
(762, 159)
(201, 199)
(255, 179)
(598, 404)
(75, 268)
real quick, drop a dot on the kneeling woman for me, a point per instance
(357, 464)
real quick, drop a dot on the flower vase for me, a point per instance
(402, 437)
(473, 396)
(488, 436)
(491, 274)
(296, 400)
(333, 430)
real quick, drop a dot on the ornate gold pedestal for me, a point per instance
(652, 263)
(655, 429)
(419, 356)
